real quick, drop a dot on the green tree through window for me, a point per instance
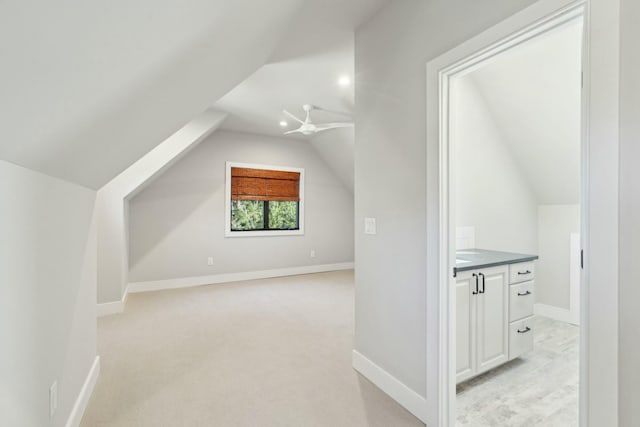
(283, 215)
(247, 215)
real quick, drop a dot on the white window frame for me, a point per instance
(262, 233)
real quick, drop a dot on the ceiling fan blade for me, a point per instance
(292, 131)
(339, 113)
(292, 117)
(327, 126)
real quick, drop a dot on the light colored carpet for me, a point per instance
(538, 389)
(273, 352)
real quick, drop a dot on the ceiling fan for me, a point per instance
(308, 128)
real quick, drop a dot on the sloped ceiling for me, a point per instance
(534, 95)
(317, 48)
(337, 149)
(87, 88)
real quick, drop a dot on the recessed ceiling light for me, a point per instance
(283, 124)
(344, 81)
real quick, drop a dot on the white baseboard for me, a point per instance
(157, 285)
(389, 384)
(552, 312)
(85, 394)
(116, 307)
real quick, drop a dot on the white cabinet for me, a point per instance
(521, 299)
(494, 317)
(465, 323)
(482, 316)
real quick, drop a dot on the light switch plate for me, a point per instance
(369, 226)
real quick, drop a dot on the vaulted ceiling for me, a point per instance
(87, 88)
(317, 48)
(534, 95)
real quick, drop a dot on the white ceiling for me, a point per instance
(317, 49)
(534, 95)
(256, 104)
(87, 88)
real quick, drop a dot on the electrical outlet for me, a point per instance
(312, 254)
(210, 261)
(53, 398)
(369, 226)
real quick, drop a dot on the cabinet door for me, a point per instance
(492, 318)
(465, 319)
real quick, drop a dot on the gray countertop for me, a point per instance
(471, 259)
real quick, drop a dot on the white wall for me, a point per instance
(629, 390)
(112, 262)
(492, 191)
(47, 294)
(178, 221)
(543, 126)
(555, 225)
(336, 149)
(112, 205)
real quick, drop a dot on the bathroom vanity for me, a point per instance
(494, 309)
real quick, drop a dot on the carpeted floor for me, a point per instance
(274, 352)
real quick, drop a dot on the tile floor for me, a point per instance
(537, 389)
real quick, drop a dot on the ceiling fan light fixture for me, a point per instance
(283, 123)
(307, 127)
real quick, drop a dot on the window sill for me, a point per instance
(269, 233)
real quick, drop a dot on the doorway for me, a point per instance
(448, 71)
(515, 137)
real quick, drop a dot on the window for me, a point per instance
(263, 200)
(264, 215)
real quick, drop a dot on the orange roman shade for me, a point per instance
(263, 185)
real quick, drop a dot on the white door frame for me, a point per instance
(531, 22)
(575, 271)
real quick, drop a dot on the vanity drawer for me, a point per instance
(521, 300)
(521, 272)
(520, 337)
